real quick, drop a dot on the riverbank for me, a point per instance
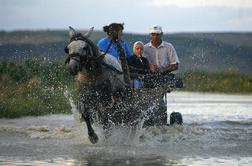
(228, 81)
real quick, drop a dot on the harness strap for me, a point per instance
(110, 43)
(67, 60)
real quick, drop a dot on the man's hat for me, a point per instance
(155, 29)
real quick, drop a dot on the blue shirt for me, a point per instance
(104, 43)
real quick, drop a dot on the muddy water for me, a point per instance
(217, 130)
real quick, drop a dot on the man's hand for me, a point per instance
(153, 68)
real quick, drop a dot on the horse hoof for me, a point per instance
(93, 137)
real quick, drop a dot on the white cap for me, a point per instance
(155, 29)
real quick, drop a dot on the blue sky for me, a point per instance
(138, 15)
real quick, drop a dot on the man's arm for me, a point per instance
(169, 68)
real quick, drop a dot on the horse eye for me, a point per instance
(66, 50)
(85, 49)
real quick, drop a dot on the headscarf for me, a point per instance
(137, 42)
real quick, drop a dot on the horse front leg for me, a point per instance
(86, 115)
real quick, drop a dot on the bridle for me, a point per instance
(94, 55)
(91, 54)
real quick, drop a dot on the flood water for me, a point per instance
(217, 130)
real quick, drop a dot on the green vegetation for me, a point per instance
(36, 87)
(33, 87)
(229, 81)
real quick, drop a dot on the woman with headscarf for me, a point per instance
(138, 65)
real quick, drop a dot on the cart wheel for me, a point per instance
(176, 118)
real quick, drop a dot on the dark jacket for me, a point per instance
(138, 66)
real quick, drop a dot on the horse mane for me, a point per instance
(93, 46)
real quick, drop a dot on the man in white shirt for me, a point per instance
(163, 59)
(161, 55)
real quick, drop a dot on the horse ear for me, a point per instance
(89, 32)
(72, 32)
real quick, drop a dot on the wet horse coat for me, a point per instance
(104, 81)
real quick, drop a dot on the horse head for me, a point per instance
(81, 52)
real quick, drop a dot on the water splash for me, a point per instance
(74, 110)
(81, 127)
(118, 135)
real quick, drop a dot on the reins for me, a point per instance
(110, 43)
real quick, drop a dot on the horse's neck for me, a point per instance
(85, 76)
